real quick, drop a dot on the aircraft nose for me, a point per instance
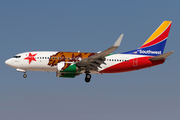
(8, 62)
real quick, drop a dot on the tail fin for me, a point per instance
(156, 42)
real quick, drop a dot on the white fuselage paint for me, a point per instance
(42, 59)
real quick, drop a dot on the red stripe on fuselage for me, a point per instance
(142, 62)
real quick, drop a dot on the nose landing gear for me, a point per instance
(24, 75)
(24, 71)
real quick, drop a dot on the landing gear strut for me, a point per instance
(88, 77)
(24, 71)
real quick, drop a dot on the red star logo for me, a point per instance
(31, 57)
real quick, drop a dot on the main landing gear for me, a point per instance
(88, 77)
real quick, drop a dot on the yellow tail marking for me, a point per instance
(158, 31)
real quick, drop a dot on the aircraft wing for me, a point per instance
(91, 63)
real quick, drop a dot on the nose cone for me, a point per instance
(8, 62)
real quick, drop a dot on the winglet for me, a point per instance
(117, 43)
(161, 57)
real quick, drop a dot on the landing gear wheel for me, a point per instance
(25, 76)
(88, 78)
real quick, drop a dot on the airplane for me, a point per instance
(71, 64)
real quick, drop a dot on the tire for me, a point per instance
(24, 76)
(88, 78)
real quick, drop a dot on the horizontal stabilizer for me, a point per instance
(161, 57)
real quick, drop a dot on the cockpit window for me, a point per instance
(16, 56)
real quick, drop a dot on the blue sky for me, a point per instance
(88, 26)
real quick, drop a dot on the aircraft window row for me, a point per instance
(41, 57)
(118, 60)
(56, 58)
(16, 56)
(64, 58)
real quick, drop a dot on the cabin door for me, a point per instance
(135, 62)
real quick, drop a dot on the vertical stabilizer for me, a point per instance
(155, 44)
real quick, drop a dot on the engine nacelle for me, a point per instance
(69, 72)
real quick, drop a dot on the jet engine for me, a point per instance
(69, 72)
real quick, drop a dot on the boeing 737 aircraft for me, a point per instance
(71, 64)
